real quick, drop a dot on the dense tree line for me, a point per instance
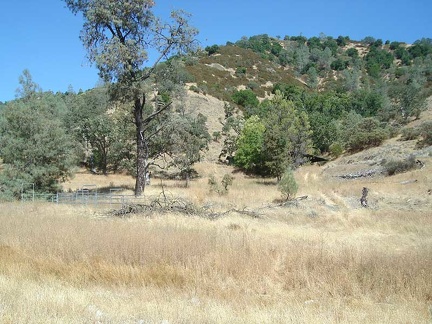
(46, 136)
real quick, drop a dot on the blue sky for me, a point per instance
(42, 35)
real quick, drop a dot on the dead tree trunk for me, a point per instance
(141, 165)
(363, 199)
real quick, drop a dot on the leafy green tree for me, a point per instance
(352, 52)
(365, 133)
(331, 44)
(377, 60)
(301, 57)
(231, 129)
(407, 95)
(118, 36)
(314, 42)
(421, 48)
(212, 49)
(102, 129)
(325, 130)
(287, 136)
(368, 103)
(351, 79)
(245, 98)
(312, 77)
(34, 145)
(28, 87)
(188, 138)
(342, 41)
(250, 144)
(339, 64)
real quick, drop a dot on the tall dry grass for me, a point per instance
(74, 265)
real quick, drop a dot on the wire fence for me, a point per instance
(88, 196)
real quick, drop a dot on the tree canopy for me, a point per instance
(118, 36)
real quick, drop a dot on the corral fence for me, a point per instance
(87, 195)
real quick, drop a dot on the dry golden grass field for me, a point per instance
(324, 259)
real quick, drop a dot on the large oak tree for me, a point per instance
(118, 36)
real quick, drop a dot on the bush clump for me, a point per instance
(223, 187)
(288, 185)
(399, 166)
(410, 133)
(367, 133)
(426, 134)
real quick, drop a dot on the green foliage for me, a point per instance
(104, 136)
(118, 36)
(241, 70)
(368, 40)
(34, 145)
(221, 188)
(366, 133)
(227, 181)
(426, 133)
(287, 136)
(339, 65)
(249, 144)
(288, 185)
(194, 89)
(217, 135)
(421, 48)
(368, 103)
(325, 130)
(28, 88)
(377, 60)
(342, 40)
(212, 49)
(245, 98)
(261, 44)
(352, 52)
(402, 54)
(399, 166)
(407, 99)
(410, 133)
(184, 139)
(232, 126)
(312, 77)
(336, 149)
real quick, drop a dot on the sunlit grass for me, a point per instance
(322, 260)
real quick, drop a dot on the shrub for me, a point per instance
(339, 65)
(398, 166)
(245, 98)
(217, 135)
(241, 70)
(253, 85)
(336, 149)
(194, 89)
(426, 134)
(227, 181)
(410, 134)
(212, 49)
(288, 185)
(367, 133)
(223, 187)
(352, 52)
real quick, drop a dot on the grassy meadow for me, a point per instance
(322, 260)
